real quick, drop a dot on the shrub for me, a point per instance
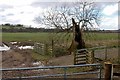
(59, 51)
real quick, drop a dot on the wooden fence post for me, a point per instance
(108, 70)
(92, 56)
(105, 53)
(118, 56)
(46, 49)
(74, 57)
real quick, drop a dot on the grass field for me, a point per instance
(41, 37)
(24, 36)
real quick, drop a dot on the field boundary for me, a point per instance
(87, 55)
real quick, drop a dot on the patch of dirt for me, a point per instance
(12, 59)
(23, 58)
(63, 60)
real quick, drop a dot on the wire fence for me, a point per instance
(104, 53)
(97, 55)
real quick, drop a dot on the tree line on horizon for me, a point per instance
(21, 28)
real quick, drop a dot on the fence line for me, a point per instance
(107, 52)
(65, 68)
(95, 53)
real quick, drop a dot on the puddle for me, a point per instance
(39, 64)
(15, 45)
(13, 42)
(26, 47)
(4, 48)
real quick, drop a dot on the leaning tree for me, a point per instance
(86, 15)
(78, 16)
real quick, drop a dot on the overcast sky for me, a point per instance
(24, 12)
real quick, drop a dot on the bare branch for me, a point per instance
(60, 16)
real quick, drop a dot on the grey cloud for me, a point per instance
(49, 4)
(10, 14)
(42, 4)
(21, 12)
(54, 4)
(1, 10)
(15, 21)
(4, 6)
(10, 21)
(2, 17)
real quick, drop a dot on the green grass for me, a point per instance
(101, 36)
(41, 37)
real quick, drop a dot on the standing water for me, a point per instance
(3, 47)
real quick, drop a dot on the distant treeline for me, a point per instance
(12, 25)
(28, 30)
(52, 30)
(21, 28)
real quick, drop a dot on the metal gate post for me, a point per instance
(100, 75)
(20, 75)
(65, 76)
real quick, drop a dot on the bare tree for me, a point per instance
(56, 17)
(86, 14)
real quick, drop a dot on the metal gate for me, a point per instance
(31, 73)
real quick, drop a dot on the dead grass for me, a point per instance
(39, 57)
(102, 43)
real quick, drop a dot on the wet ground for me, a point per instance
(19, 57)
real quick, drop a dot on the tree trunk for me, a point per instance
(77, 42)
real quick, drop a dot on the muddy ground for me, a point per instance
(23, 58)
(13, 58)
